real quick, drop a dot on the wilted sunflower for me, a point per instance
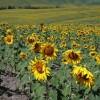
(39, 69)
(72, 57)
(83, 76)
(36, 47)
(8, 39)
(49, 51)
(22, 55)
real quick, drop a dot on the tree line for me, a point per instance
(28, 7)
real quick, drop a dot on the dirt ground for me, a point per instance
(9, 87)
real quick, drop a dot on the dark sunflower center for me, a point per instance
(80, 75)
(73, 56)
(93, 54)
(48, 50)
(39, 67)
(83, 77)
(9, 39)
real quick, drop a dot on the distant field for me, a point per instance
(82, 14)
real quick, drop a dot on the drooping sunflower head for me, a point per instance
(36, 47)
(72, 57)
(48, 50)
(39, 69)
(83, 76)
(8, 39)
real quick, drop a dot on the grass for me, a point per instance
(70, 14)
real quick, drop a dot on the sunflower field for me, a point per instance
(53, 62)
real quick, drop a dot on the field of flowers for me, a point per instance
(53, 62)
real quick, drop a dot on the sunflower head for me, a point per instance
(9, 31)
(75, 45)
(92, 48)
(39, 69)
(86, 46)
(63, 44)
(93, 54)
(32, 38)
(48, 50)
(83, 76)
(22, 55)
(8, 39)
(97, 58)
(72, 57)
(36, 47)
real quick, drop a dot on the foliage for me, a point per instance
(60, 85)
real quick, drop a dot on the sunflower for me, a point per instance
(72, 57)
(75, 44)
(49, 51)
(63, 44)
(92, 48)
(93, 54)
(83, 76)
(22, 55)
(36, 47)
(32, 38)
(8, 31)
(97, 58)
(86, 46)
(51, 38)
(39, 69)
(8, 39)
